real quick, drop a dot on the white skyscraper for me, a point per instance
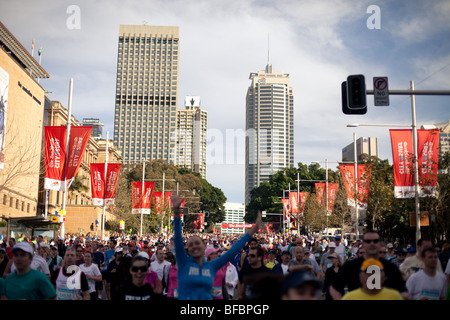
(270, 127)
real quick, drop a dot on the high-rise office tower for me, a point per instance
(367, 145)
(146, 92)
(270, 127)
(190, 136)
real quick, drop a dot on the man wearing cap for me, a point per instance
(248, 273)
(348, 275)
(282, 268)
(26, 283)
(400, 256)
(390, 253)
(300, 285)
(372, 278)
(325, 263)
(340, 249)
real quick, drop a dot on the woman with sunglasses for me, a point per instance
(195, 273)
(136, 288)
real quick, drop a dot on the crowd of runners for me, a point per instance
(221, 266)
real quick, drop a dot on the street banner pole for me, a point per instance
(69, 116)
(105, 187)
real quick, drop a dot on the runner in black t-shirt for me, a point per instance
(248, 273)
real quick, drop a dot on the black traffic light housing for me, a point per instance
(356, 92)
(345, 108)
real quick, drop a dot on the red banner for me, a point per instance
(285, 208)
(142, 204)
(99, 196)
(55, 157)
(78, 140)
(348, 175)
(293, 202)
(428, 159)
(201, 221)
(402, 154)
(158, 201)
(332, 192)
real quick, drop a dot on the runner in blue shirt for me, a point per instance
(195, 274)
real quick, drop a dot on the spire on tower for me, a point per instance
(269, 66)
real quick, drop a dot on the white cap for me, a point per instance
(332, 245)
(144, 255)
(24, 246)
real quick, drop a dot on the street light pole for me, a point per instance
(415, 162)
(355, 154)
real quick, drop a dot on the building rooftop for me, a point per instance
(17, 52)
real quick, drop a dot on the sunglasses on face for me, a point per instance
(371, 240)
(136, 269)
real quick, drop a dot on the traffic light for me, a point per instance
(345, 108)
(356, 92)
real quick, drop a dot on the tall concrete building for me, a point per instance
(367, 145)
(190, 136)
(269, 127)
(146, 92)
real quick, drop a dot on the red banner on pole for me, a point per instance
(348, 175)
(142, 204)
(55, 157)
(321, 192)
(285, 208)
(158, 201)
(78, 140)
(427, 157)
(99, 196)
(293, 202)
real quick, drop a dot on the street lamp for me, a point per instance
(413, 126)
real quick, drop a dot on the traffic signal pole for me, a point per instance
(348, 107)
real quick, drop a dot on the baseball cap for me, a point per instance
(371, 262)
(210, 250)
(286, 252)
(332, 245)
(411, 250)
(337, 238)
(333, 255)
(400, 250)
(389, 246)
(297, 278)
(144, 255)
(24, 246)
(306, 250)
(118, 249)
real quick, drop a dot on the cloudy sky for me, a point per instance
(318, 43)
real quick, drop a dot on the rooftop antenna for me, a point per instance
(269, 66)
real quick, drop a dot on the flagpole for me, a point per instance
(69, 115)
(142, 196)
(105, 186)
